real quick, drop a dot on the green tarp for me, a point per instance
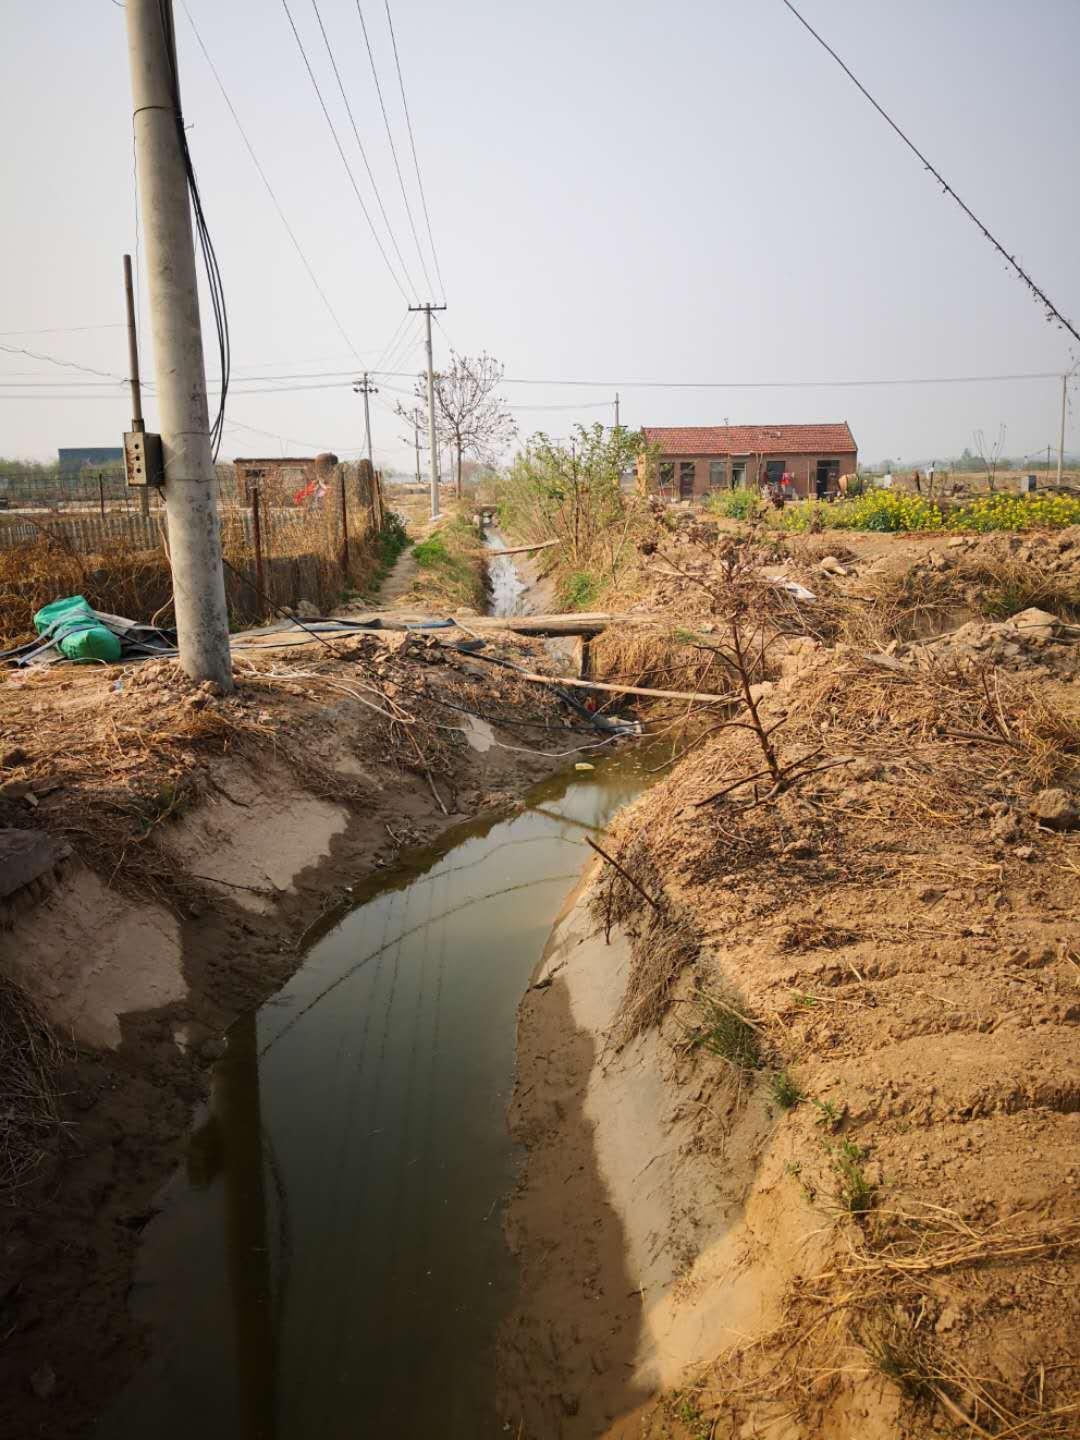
(76, 631)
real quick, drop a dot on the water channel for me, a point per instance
(331, 1261)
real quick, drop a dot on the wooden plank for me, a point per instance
(526, 549)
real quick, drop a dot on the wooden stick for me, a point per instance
(624, 873)
(539, 679)
(525, 549)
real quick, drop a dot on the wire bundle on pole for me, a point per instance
(206, 244)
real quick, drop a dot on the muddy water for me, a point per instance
(331, 1261)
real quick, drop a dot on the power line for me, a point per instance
(360, 147)
(269, 188)
(67, 329)
(775, 384)
(388, 349)
(341, 152)
(393, 148)
(55, 360)
(412, 144)
(1051, 309)
(341, 379)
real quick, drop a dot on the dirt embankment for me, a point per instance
(824, 1077)
(197, 840)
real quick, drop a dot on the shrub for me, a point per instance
(887, 510)
(578, 590)
(738, 504)
(1006, 511)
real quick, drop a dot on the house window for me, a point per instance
(774, 471)
(686, 479)
(667, 477)
(717, 474)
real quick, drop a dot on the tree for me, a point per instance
(991, 461)
(469, 413)
(573, 490)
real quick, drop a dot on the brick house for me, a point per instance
(697, 459)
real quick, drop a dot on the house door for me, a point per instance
(686, 479)
(738, 474)
(825, 480)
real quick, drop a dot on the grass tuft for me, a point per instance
(854, 1190)
(724, 1031)
(785, 1090)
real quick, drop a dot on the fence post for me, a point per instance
(344, 530)
(256, 533)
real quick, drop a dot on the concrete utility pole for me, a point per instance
(202, 620)
(616, 410)
(416, 445)
(428, 309)
(1061, 438)
(364, 387)
(137, 423)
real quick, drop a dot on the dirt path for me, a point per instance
(399, 581)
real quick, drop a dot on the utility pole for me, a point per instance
(190, 487)
(137, 423)
(364, 387)
(428, 309)
(1061, 438)
(616, 410)
(416, 444)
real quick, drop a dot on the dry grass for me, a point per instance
(31, 1058)
(120, 580)
(986, 728)
(873, 1314)
(921, 602)
(659, 659)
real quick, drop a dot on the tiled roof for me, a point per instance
(751, 439)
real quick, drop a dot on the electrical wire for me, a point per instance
(206, 244)
(323, 382)
(344, 158)
(412, 144)
(269, 188)
(363, 152)
(1053, 313)
(393, 149)
(391, 345)
(770, 384)
(67, 329)
(56, 360)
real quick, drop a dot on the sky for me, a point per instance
(618, 193)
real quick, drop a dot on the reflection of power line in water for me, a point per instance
(454, 910)
(505, 845)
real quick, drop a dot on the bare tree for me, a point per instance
(990, 461)
(469, 414)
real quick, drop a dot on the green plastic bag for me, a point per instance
(78, 635)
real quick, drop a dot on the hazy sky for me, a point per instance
(679, 192)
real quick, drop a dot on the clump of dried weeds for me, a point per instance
(31, 1058)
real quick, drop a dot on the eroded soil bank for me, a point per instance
(802, 1125)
